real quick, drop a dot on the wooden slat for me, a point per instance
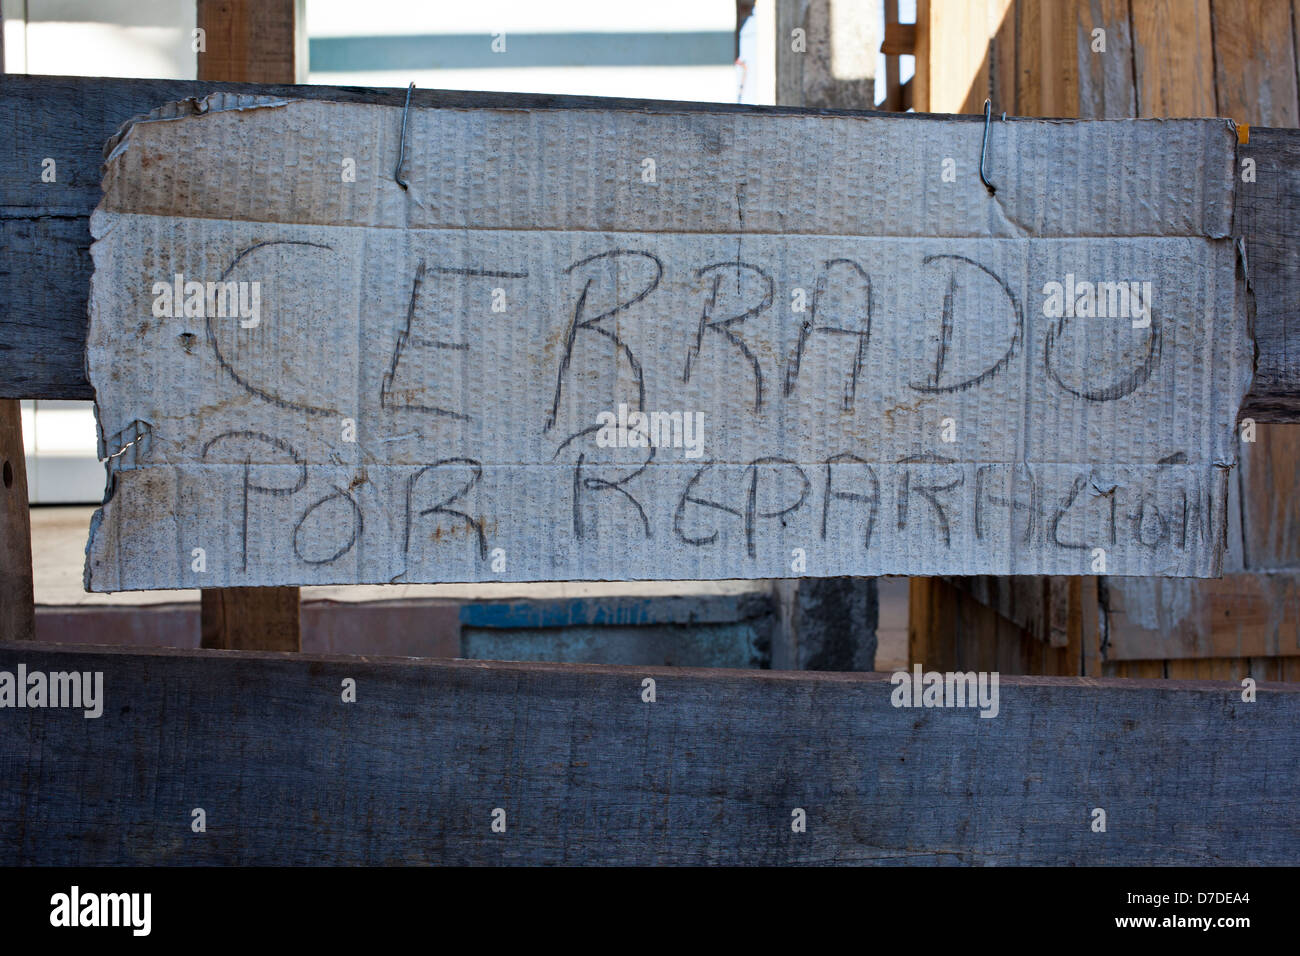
(252, 41)
(900, 38)
(1267, 214)
(1271, 498)
(17, 610)
(1106, 79)
(1255, 73)
(1173, 58)
(1254, 62)
(847, 33)
(1003, 65)
(17, 598)
(957, 54)
(1048, 65)
(893, 90)
(587, 772)
(1030, 69)
(251, 619)
(1240, 615)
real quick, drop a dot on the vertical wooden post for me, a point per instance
(17, 598)
(252, 41)
(827, 623)
(17, 604)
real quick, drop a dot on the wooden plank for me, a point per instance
(1255, 70)
(956, 57)
(1270, 479)
(1047, 56)
(1255, 62)
(587, 772)
(1267, 213)
(1173, 55)
(1003, 66)
(900, 38)
(252, 41)
(893, 90)
(251, 619)
(1106, 78)
(921, 78)
(17, 608)
(1240, 615)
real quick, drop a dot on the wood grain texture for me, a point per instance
(1253, 79)
(958, 61)
(251, 619)
(250, 41)
(1048, 77)
(1249, 614)
(1106, 78)
(17, 610)
(1254, 62)
(1270, 514)
(586, 772)
(1173, 56)
(1267, 214)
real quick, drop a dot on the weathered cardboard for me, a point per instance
(476, 454)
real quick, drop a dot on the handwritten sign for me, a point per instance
(546, 359)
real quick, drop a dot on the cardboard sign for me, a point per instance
(585, 345)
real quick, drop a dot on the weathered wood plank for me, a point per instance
(1267, 213)
(588, 772)
(1249, 614)
(1048, 66)
(1254, 62)
(17, 611)
(248, 619)
(1173, 67)
(252, 42)
(1106, 78)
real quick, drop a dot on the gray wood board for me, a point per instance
(588, 773)
(1267, 214)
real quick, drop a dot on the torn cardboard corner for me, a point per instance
(551, 360)
(194, 106)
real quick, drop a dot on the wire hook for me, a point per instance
(988, 116)
(401, 148)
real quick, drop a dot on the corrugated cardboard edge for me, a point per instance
(192, 107)
(183, 109)
(118, 144)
